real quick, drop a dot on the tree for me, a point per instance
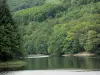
(10, 44)
(93, 42)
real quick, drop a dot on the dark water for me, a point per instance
(58, 66)
(69, 62)
(60, 63)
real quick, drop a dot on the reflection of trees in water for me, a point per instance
(69, 62)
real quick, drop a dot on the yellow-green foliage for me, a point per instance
(39, 13)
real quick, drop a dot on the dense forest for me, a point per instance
(16, 5)
(54, 27)
(61, 27)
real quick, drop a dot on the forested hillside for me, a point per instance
(60, 27)
(22, 4)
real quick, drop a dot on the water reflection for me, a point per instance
(69, 62)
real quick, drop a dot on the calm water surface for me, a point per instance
(60, 65)
(69, 62)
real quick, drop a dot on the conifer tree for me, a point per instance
(9, 36)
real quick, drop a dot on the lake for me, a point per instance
(68, 62)
(42, 65)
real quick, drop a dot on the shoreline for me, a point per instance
(77, 54)
(80, 54)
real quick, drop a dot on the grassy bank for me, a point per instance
(12, 64)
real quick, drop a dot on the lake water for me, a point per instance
(69, 62)
(45, 65)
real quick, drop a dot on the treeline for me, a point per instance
(10, 39)
(16, 5)
(68, 27)
(38, 13)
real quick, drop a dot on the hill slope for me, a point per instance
(22, 4)
(71, 26)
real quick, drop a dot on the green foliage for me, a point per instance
(65, 27)
(39, 13)
(56, 40)
(92, 41)
(16, 5)
(9, 35)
